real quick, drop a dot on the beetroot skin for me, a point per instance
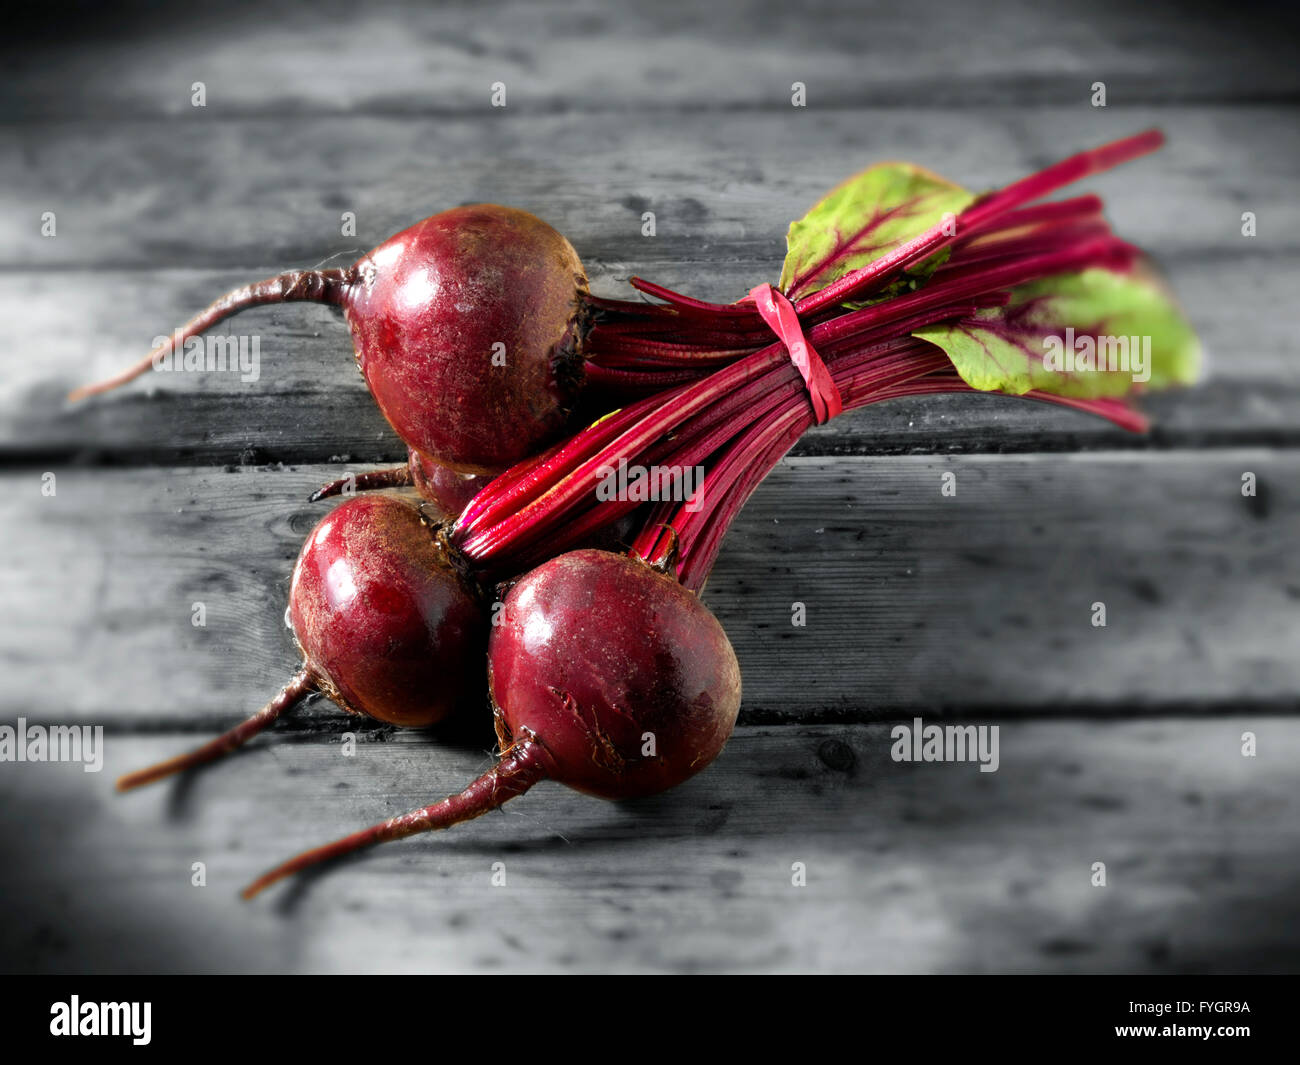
(594, 657)
(449, 289)
(467, 327)
(592, 651)
(386, 624)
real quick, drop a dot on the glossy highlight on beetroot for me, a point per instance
(604, 670)
(606, 675)
(466, 327)
(387, 625)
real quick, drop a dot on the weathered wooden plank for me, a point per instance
(910, 867)
(978, 602)
(308, 402)
(444, 58)
(722, 198)
(268, 195)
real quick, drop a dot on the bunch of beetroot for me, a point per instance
(478, 338)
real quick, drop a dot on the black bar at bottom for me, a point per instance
(233, 1014)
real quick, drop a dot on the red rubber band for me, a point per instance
(780, 316)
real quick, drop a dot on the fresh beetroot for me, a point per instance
(593, 653)
(590, 656)
(387, 624)
(477, 336)
(384, 617)
(466, 328)
(606, 675)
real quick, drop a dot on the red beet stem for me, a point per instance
(533, 477)
(312, 286)
(519, 768)
(983, 212)
(998, 245)
(762, 455)
(1066, 172)
(685, 304)
(302, 684)
(734, 448)
(691, 444)
(758, 448)
(1078, 208)
(557, 490)
(529, 520)
(393, 477)
(619, 380)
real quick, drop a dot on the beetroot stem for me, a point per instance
(760, 447)
(301, 684)
(617, 379)
(497, 528)
(312, 286)
(981, 213)
(688, 305)
(393, 477)
(1078, 208)
(487, 542)
(518, 769)
(532, 477)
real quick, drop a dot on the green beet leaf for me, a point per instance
(1096, 333)
(863, 219)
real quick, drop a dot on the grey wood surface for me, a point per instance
(979, 603)
(134, 266)
(910, 868)
(1120, 745)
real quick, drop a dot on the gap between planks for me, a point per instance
(912, 599)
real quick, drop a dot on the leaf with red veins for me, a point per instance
(862, 219)
(1086, 335)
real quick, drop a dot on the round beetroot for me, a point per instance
(467, 327)
(600, 656)
(383, 618)
(466, 330)
(387, 626)
(606, 675)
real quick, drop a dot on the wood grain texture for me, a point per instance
(309, 403)
(410, 59)
(978, 602)
(140, 249)
(910, 867)
(258, 195)
(1120, 744)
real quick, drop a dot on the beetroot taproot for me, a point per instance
(466, 327)
(387, 625)
(606, 675)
